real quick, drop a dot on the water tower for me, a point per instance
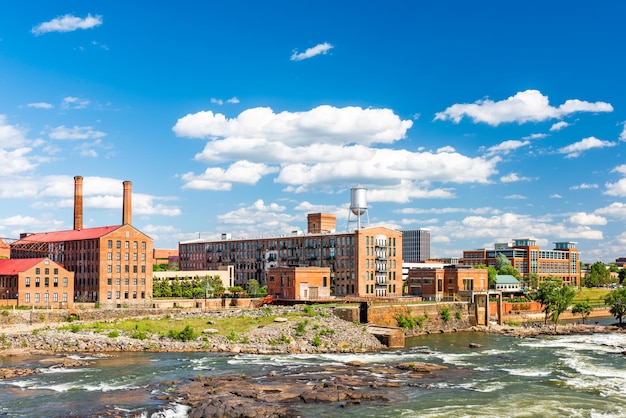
(358, 205)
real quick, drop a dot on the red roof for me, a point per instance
(13, 266)
(71, 235)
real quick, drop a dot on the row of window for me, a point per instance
(118, 268)
(46, 281)
(46, 297)
(118, 256)
(46, 270)
(118, 281)
(118, 244)
(126, 295)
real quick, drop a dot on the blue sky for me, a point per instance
(481, 121)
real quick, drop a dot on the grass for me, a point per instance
(595, 295)
(168, 326)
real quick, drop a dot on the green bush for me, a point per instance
(405, 321)
(75, 328)
(420, 320)
(301, 328)
(307, 310)
(139, 335)
(232, 337)
(316, 342)
(187, 334)
(445, 314)
(114, 334)
(458, 315)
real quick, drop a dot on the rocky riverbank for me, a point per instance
(550, 329)
(321, 332)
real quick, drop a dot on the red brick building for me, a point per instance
(112, 265)
(366, 262)
(38, 282)
(299, 283)
(447, 282)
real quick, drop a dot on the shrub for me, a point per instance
(458, 315)
(139, 335)
(187, 334)
(445, 314)
(301, 328)
(114, 334)
(420, 320)
(232, 337)
(75, 328)
(316, 342)
(405, 321)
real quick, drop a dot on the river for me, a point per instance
(548, 376)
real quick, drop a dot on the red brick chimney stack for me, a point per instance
(78, 202)
(127, 210)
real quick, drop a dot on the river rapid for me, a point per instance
(547, 376)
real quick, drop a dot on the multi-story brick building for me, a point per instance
(37, 282)
(526, 257)
(112, 265)
(445, 282)
(366, 262)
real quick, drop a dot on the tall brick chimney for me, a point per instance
(127, 206)
(78, 202)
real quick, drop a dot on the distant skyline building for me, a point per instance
(415, 245)
(527, 258)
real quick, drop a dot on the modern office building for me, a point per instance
(112, 265)
(526, 257)
(366, 262)
(415, 245)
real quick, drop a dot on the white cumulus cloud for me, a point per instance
(40, 105)
(582, 218)
(576, 149)
(318, 49)
(524, 106)
(324, 147)
(67, 23)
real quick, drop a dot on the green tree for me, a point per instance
(187, 287)
(510, 270)
(501, 261)
(622, 275)
(554, 298)
(616, 301)
(583, 308)
(532, 280)
(166, 288)
(156, 288)
(177, 289)
(216, 283)
(597, 275)
(253, 287)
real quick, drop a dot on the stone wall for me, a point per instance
(427, 317)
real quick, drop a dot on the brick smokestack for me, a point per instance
(78, 202)
(127, 205)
